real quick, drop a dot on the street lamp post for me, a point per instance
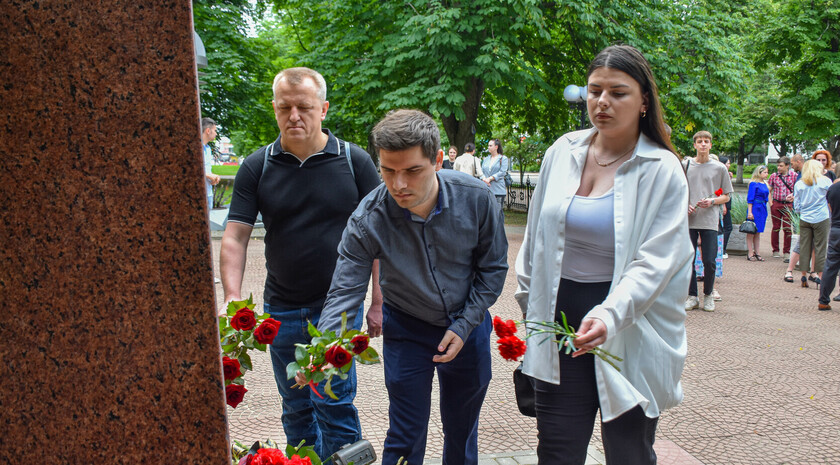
(576, 96)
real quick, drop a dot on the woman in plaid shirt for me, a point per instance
(781, 191)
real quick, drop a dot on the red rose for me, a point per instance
(269, 457)
(231, 368)
(504, 328)
(719, 192)
(297, 460)
(266, 331)
(337, 356)
(244, 319)
(511, 348)
(360, 343)
(234, 394)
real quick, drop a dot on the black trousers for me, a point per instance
(727, 225)
(832, 266)
(566, 412)
(708, 255)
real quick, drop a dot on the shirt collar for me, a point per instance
(332, 147)
(580, 141)
(396, 211)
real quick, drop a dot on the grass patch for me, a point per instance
(225, 170)
(515, 218)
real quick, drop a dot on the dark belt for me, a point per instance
(781, 201)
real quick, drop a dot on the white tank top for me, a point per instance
(590, 239)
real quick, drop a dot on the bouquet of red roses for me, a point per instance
(329, 354)
(241, 330)
(511, 347)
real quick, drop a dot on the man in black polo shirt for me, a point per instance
(305, 184)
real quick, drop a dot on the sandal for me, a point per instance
(811, 277)
(804, 281)
(788, 277)
(757, 257)
(750, 259)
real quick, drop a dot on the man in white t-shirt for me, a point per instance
(709, 187)
(468, 163)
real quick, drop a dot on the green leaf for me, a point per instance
(313, 331)
(245, 361)
(291, 370)
(328, 389)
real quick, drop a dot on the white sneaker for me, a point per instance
(691, 303)
(708, 303)
(725, 255)
(776, 255)
(716, 295)
(217, 280)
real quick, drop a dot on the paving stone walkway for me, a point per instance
(762, 380)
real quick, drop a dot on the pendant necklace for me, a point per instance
(615, 160)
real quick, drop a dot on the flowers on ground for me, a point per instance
(328, 355)
(239, 333)
(511, 347)
(267, 453)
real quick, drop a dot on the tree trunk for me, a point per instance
(834, 147)
(461, 132)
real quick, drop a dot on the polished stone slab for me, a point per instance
(109, 347)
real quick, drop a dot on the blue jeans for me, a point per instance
(326, 424)
(408, 347)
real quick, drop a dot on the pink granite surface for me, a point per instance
(109, 347)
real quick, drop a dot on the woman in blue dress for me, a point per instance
(757, 198)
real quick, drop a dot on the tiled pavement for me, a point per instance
(762, 380)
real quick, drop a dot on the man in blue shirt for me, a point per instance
(436, 290)
(208, 134)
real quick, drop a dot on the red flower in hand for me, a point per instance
(244, 319)
(360, 343)
(504, 328)
(269, 457)
(511, 348)
(719, 192)
(266, 331)
(337, 356)
(231, 368)
(234, 394)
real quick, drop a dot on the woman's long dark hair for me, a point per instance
(629, 60)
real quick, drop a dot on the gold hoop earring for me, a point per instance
(644, 113)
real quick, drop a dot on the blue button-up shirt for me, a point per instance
(446, 270)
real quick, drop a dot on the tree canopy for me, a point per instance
(750, 72)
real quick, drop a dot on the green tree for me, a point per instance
(802, 39)
(237, 93)
(435, 55)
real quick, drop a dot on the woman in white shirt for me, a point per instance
(607, 243)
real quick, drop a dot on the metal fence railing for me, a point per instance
(519, 196)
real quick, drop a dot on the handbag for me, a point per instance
(748, 227)
(508, 179)
(523, 386)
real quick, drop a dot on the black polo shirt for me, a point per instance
(305, 207)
